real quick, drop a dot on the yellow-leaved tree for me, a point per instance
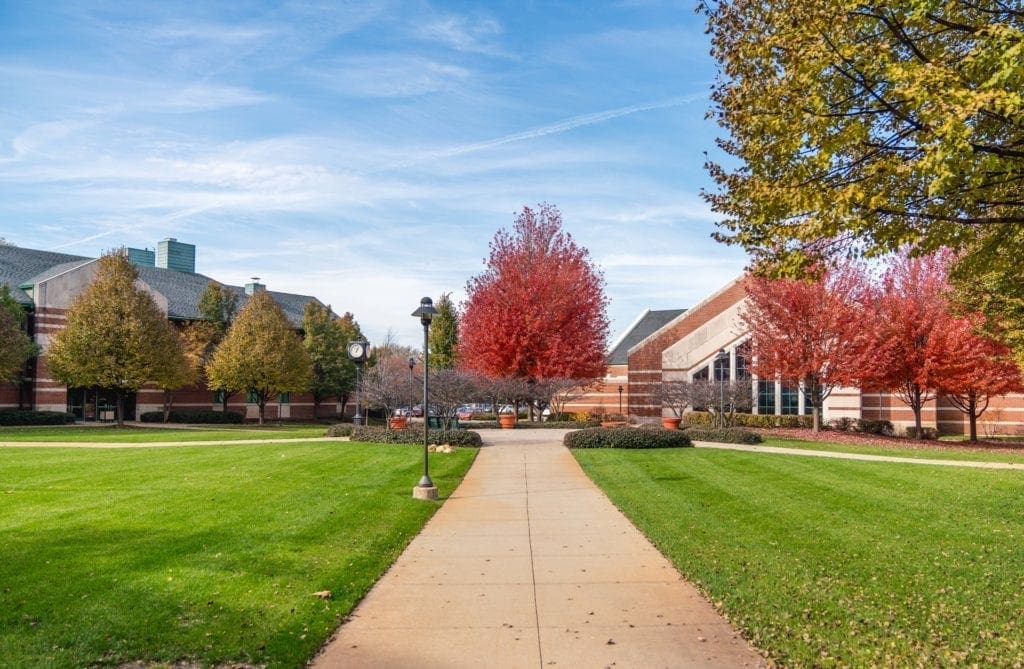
(116, 336)
(261, 353)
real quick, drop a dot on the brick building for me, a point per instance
(684, 344)
(46, 283)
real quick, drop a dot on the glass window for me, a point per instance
(722, 369)
(743, 360)
(251, 398)
(790, 400)
(766, 397)
(703, 374)
(284, 398)
(218, 396)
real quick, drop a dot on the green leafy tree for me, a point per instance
(261, 354)
(444, 334)
(16, 347)
(182, 370)
(218, 306)
(116, 336)
(325, 342)
(860, 127)
(350, 331)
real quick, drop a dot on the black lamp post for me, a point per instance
(358, 351)
(721, 361)
(620, 400)
(426, 312)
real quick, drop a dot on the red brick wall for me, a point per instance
(645, 358)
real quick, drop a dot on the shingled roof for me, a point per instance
(181, 289)
(647, 324)
(18, 266)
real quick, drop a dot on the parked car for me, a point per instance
(465, 412)
(417, 411)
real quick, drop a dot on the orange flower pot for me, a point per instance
(398, 422)
(507, 420)
(671, 423)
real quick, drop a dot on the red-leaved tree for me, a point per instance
(538, 311)
(808, 332)
(914, 343)
(983, 368)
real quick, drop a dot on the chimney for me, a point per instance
(255, 285)
(172, 254)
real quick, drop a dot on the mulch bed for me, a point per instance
(861, 439)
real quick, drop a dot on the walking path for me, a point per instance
(860, 456)
(529, 564)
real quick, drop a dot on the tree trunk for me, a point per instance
(263, 407)
(120, 407)
(168, 402)
(917, 406)
(972, 411)
(316, 406)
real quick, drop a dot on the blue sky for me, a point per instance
(364, 152)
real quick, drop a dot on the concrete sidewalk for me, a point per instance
(529, 565)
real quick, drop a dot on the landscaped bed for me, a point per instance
(128, 435)
(212, 555)
(854, 442)
(837, 562)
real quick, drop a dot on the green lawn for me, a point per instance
(124, 435)
(206, 554)
(838, 563)
(941, 450)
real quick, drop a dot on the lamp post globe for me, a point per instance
(426, 312)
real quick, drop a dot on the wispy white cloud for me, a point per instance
(462, 33)
(388, 75)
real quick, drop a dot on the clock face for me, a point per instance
(356, 350)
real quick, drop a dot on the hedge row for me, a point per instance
(25, 417)
(533, 425)
(340, 430)
(708, 419)
(729, 435)
(380, 435)
(626, 437)
(221, 417)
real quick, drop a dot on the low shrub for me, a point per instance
(879, 427)
(379, 435)
(26, 417)
(194, 416)
(530, 425)
(709, 419)
(626, 437)
(844, 424)
(729, 435)
(929, 433)
(340, 430)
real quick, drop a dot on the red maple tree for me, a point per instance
(984, 368)
(914, 344)
(807, 332)
(538, 311)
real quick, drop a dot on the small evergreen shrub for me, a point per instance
(709, 419)
(844, 424)
(13, 417)
(340, 430)
(879, 427)
(729, 435)
(626, 437)
(929, 433)
(379, 435)
(194, 416)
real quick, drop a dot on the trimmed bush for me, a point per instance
(929, 433)
(379, 435)
(626, 437)
(530, 425)
(25, 417)
(708, 419)
(880, 427)
(844, 424)
(729, 435)
(340, 430)
(189, 416)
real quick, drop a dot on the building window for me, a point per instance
(765, 397)
(284, 398)
(790, 400)
(219, 396)
(703, 374)
(251, 397)
(722, 369)
(743, 360)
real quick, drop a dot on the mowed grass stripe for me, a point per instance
(206, 554)
(838, 563)
(128, 435)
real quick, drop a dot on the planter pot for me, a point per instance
(398, 422)
(671, 423)
(507, 420)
